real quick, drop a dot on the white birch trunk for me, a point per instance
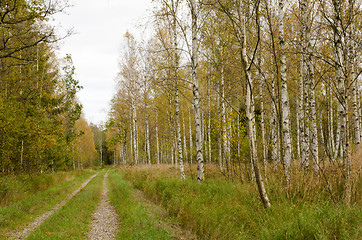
(178, 133)
(339, 63)
(309, 77)
(135, 140)
(357, 130)
(157, 143)
(194, 64)
(223, 123)
(355, 87)
(330, 125)
(228, 140)
(219, 136)
(148, 148)
(250, 110)
(301, 141)
(262, 122)
(191, 144)
(274, 128)
(185, 142)
(177, 102)
(209, 121)
(284, 95)
(131, 132)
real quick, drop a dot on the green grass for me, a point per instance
(19, 212)
(15, 188)
(220, 209)
(72, 221)
(135, 220)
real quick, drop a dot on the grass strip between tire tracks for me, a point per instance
(17, 215)
(136, 222)
(72, 221)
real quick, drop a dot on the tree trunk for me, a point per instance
(185, 142)
(178, 133)
(177, 103)
(301, 141)
(284, 95)
(134, 132)
(219, 136)
(191, 144)
(157, 143)
(343, 99)
(223, 124)
(148, 148)
(250, 109)
(262, 122)
(195, 80)
(209, 121)
(274, 127)
(341, 129)
(330, 125)
(355, 89)
(309, 77)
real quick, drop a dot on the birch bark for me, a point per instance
(134, 127)
(184, 140)
(250, 108)
(219, 135)
(341, 128)
(194, 65)
(223, 123)
(300, 115)
(309, 77)
(343, 98)
(284, 94)
(177, 104)
(157, 143)
(148, 148)
(274, 128)
(331, 128)
(262, 122)
(209, 121)
(191, 144)
(354, 82)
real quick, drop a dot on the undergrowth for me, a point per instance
(14, 188)
(135, 222)
(19, 212)
(72, 221)
(223, 209)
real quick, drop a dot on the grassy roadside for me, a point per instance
(72, 221)
(20, 212)
(135, 220)
(16, 188)
(220, 209)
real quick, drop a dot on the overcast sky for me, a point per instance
(95, 48)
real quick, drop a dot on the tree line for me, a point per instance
(247, 85)
(41, 125)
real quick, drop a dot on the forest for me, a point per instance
(251, 86)
(236, 119)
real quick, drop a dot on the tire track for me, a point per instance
(104, 223)
(40, 219)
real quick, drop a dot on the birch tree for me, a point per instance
(284, 94)
(308, 71)
(196, 92)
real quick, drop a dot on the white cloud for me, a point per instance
(99, 26)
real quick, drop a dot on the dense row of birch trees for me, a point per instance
(241, 83)
(41, 127)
